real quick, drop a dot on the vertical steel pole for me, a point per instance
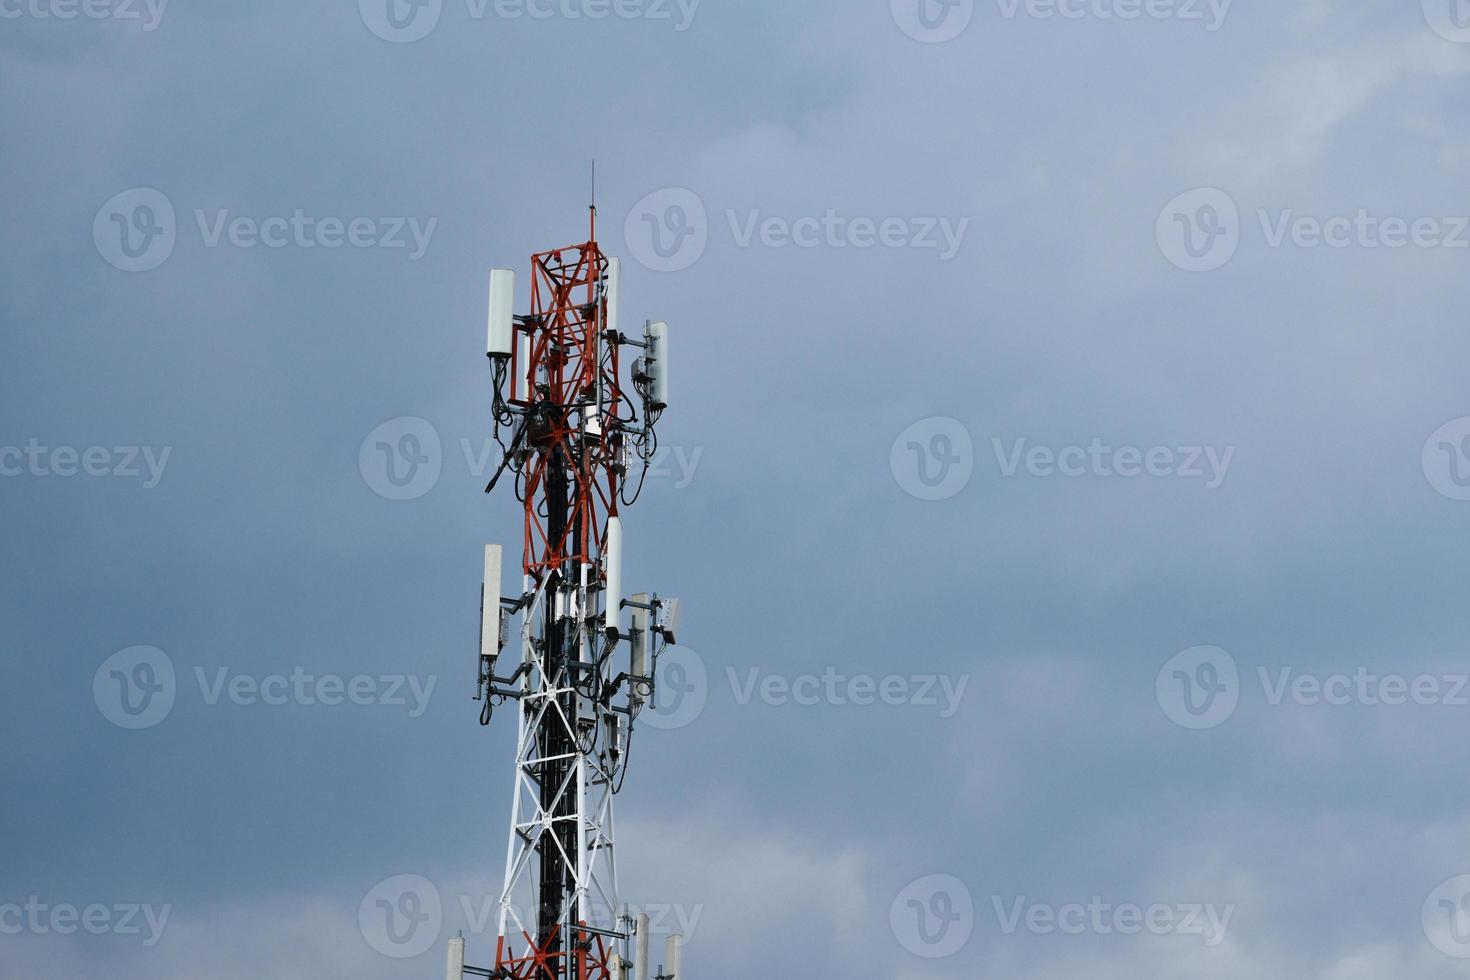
(583, 871)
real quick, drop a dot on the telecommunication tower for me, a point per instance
(580, 402)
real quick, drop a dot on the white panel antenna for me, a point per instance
(614, 598)
(658, 363)
(640, 948)
(455, 969)
(490, 604)
(521, 387)
(502, 313)
(642, 635)
(670, 619)
(614, 276)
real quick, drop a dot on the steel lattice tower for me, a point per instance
(579, 424)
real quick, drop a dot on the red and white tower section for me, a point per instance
(576, 406)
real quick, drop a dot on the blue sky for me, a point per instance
(1066, 483)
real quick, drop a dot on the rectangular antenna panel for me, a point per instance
(502, 313)
(614, 597)
(670, 617)
(642, 638)
(614, 275)
(490, 604)
(658, 367)
(640, 948)
(520, 383)
(455, 970)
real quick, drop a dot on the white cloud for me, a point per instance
(740, 893)
(1282, 125)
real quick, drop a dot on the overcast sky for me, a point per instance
(1067, 479)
